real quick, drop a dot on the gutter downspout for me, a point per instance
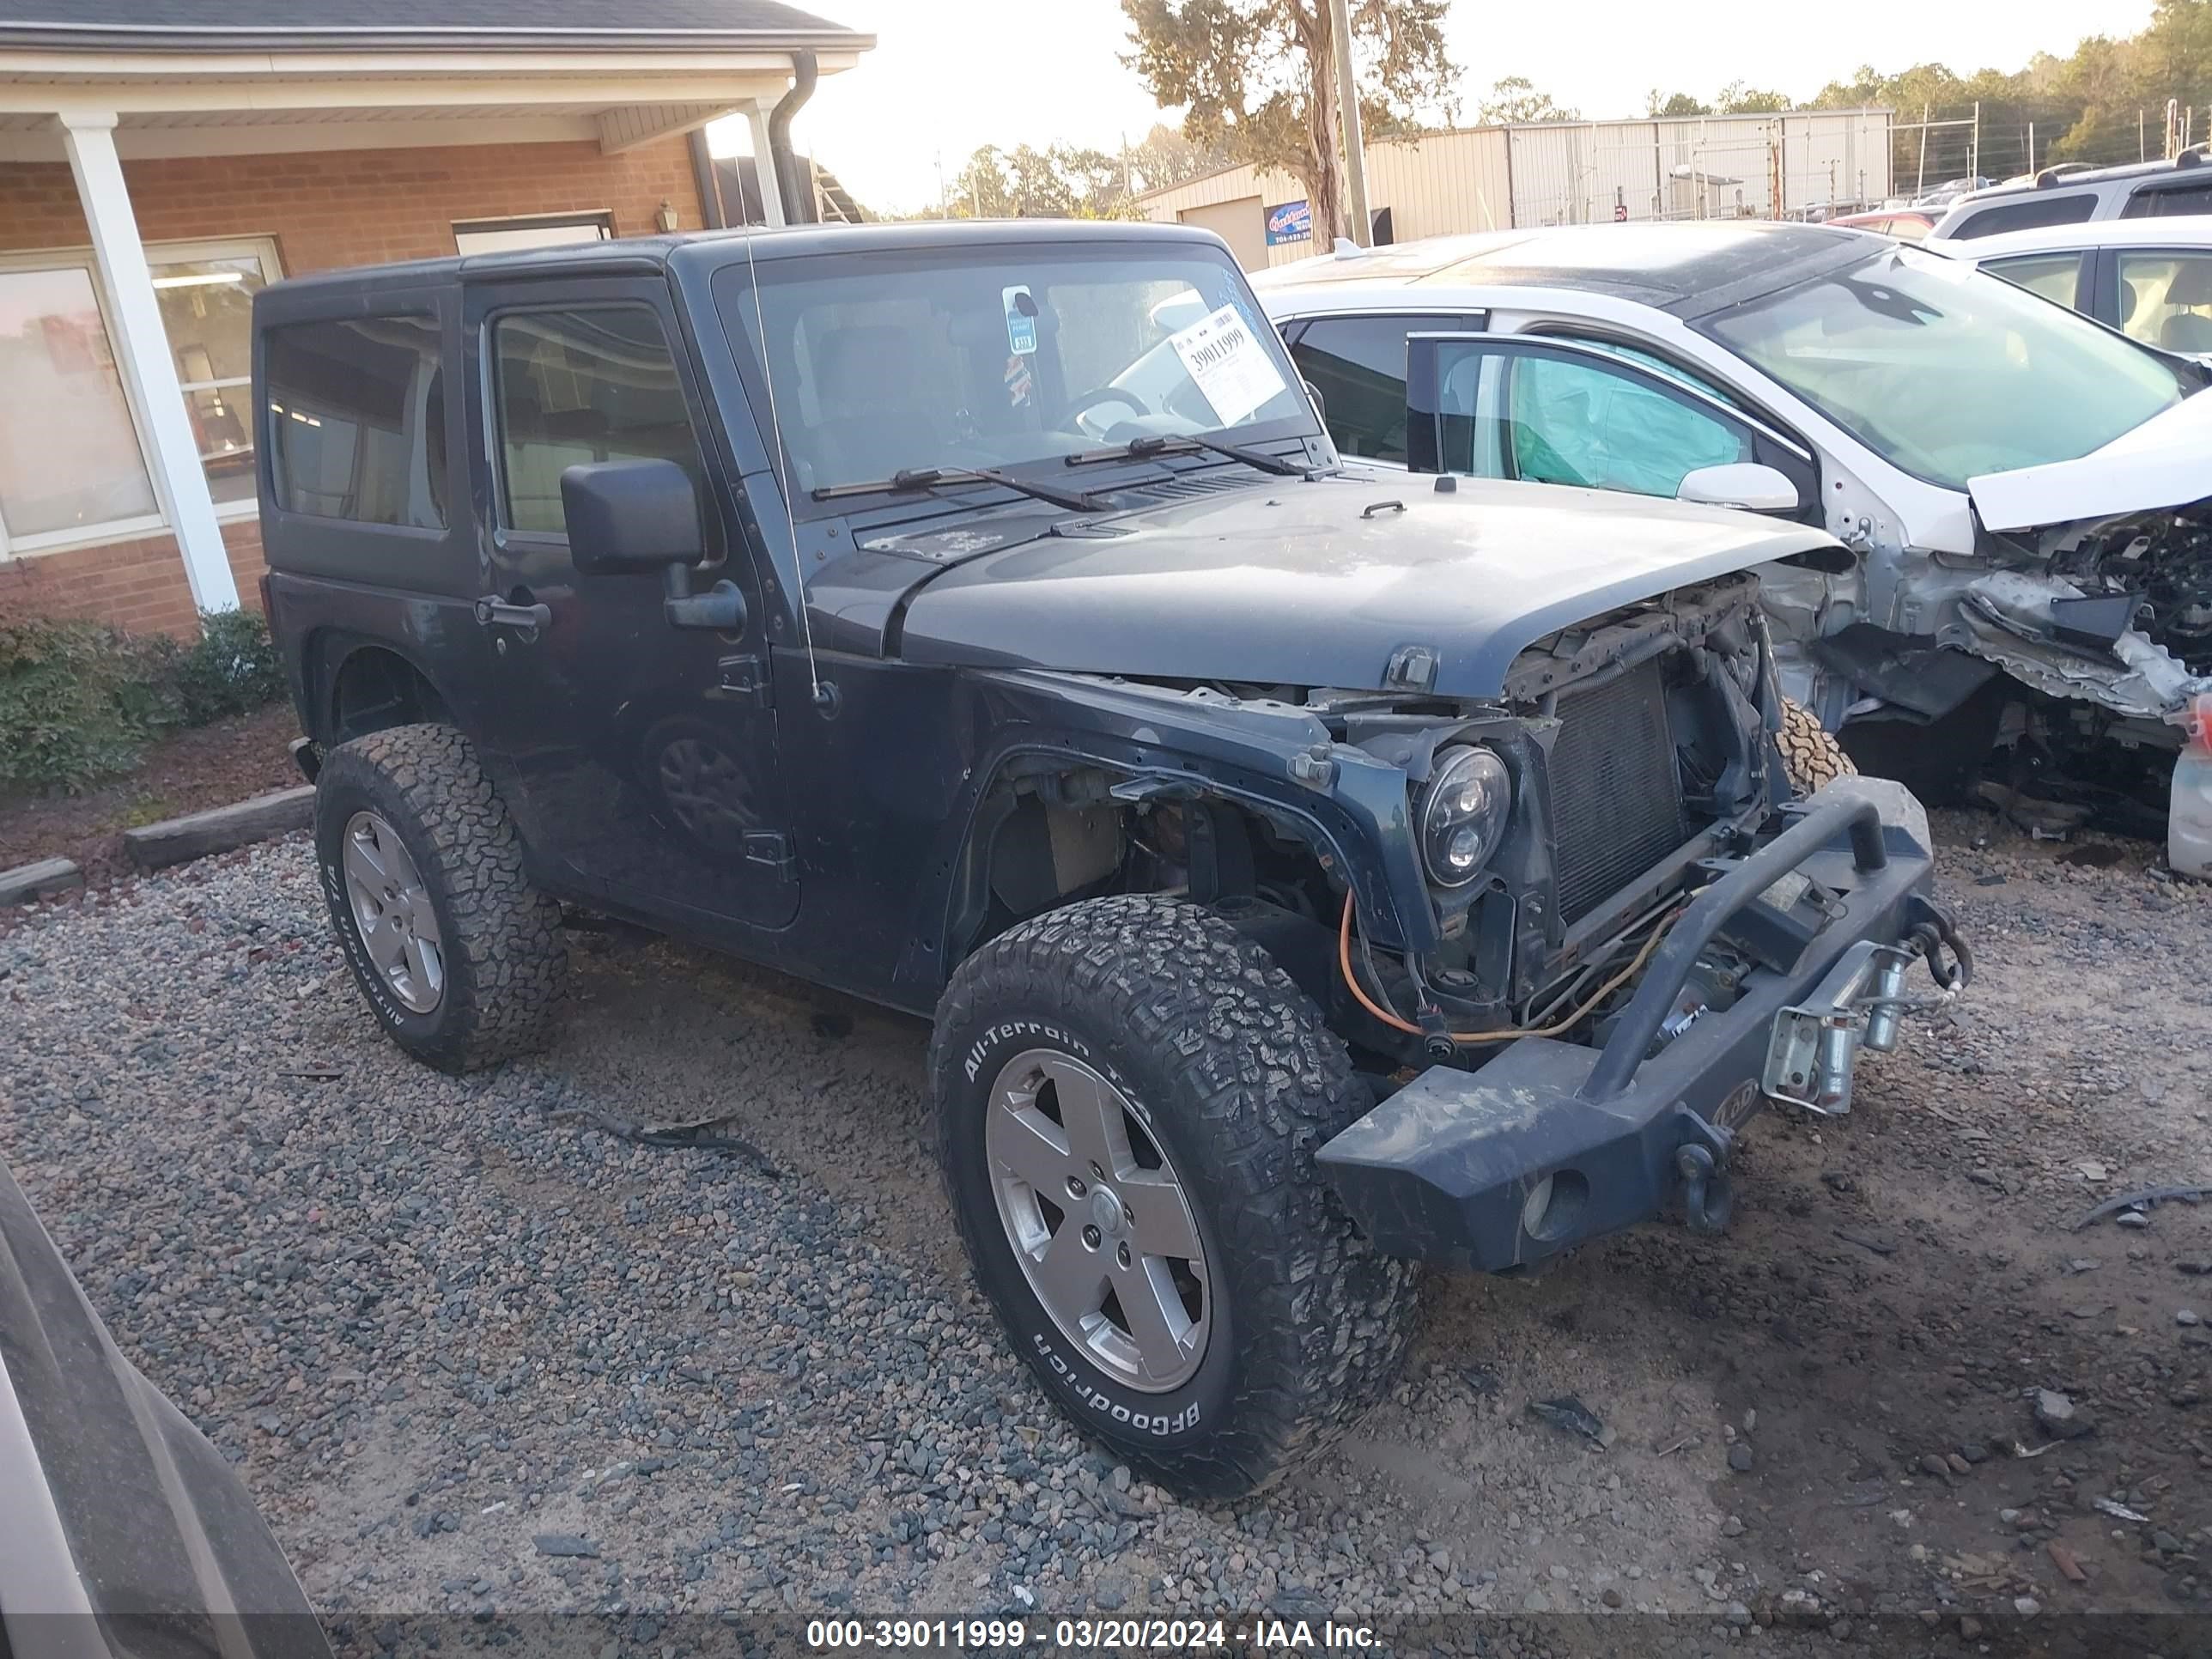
(796, 192)
(711, 212)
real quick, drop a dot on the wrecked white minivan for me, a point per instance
(2030, 493)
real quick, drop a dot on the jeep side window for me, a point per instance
(357, 420)
(1358, 364)
(589, 384)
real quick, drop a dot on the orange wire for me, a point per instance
(1343, 962)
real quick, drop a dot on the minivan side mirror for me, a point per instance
(1747, 484)
(639, 515)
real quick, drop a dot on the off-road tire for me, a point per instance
(1812, 759)
(1238, 1078)
(504, 960)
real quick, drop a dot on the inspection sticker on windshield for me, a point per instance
(1021, 320)
(1231, 367)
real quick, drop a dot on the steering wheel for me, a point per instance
(1091, 400)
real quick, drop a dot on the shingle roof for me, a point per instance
(170, 25)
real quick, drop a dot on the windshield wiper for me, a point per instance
(1144, 449)
(937, 477)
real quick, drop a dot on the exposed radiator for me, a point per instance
(1616, 787)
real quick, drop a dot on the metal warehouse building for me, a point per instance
(1796, 164)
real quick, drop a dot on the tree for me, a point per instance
(1514, 101)
(1164, 156)
(1256, 79)
(1737, 99)
(1675, 104)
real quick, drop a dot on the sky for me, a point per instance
(948, 76)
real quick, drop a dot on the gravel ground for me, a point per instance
(479, 1358)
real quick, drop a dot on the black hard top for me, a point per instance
(1688, 269)
(647, 255)
(320, 25)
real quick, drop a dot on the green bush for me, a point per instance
(80, 701)
(233, 668)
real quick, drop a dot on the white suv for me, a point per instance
(2027, 491)
(2073, 195)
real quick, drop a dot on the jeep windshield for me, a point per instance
(1949, 372)
(1001, 358)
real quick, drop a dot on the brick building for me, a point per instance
(160, 160)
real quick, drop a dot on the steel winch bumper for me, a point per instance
(1552, 1144)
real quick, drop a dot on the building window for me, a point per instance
(533, 230)
(69, 453)
(357, 420)
(72, 469)
(206, 295)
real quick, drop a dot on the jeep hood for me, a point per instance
(2166, 462)
(1321, 582)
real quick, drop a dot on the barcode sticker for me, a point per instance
(1232, 368)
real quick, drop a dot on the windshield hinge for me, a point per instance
(1412, 668)
(745, 679)
(771, 847)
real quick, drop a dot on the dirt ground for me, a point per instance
(432, 1318)
(213, 765)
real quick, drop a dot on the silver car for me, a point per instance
(122, 1530)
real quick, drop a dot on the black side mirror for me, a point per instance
(630, 516)
(643, 516)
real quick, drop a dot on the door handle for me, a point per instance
(493, 611)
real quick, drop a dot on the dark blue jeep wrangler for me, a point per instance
(1310, 873)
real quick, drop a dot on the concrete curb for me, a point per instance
(48, 876)
(195, 836)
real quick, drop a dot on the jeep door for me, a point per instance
(642, 754)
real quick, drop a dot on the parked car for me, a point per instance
(2069, 195)
(1308, 877)
(1906, 224)
(122, 1530)
(2026, 492)
(2149, 278)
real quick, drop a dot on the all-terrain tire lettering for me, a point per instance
(1236, 1069)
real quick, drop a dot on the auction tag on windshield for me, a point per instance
(1231, 367)
(1021, 320)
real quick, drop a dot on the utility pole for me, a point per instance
(1920, 186)
(1347, 98)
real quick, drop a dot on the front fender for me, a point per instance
(1274, 758)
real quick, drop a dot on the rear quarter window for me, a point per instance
(2169, 201)
(354, 412)
(2028, 213)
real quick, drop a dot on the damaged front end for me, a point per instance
(2102, 631)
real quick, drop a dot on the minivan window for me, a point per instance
(356, 416)
(1948, 371)
(2028, 213)
(589, 384)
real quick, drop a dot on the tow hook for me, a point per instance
(1814, 1047)
(1934, 936)
(1708, 1195)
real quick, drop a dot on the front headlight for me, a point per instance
(1463, 814)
